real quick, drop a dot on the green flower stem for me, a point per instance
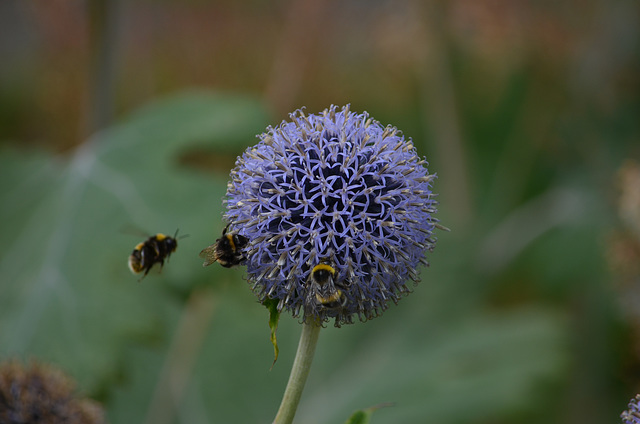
(299, 373)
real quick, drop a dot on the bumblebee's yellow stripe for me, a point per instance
(160, 237)
(324, 267)
(335, 297)
(233, 245)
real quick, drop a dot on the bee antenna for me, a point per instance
(175, 236)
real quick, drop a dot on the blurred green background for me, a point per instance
(117, 115)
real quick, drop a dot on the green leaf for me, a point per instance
(359, 417)
(274, 317)
(363, 416)
(66, 294)
(475, 367)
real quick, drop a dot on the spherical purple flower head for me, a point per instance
(632, 415)
(334, 191)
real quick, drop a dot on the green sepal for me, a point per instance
(274, 317)
(363, 416)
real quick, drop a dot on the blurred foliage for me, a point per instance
(67, 230)
(527, 111)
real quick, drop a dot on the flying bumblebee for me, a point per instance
(227, 250)
(322, 290)
(152, 251)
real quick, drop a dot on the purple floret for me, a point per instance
(632, 415)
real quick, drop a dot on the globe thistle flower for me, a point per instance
(338, 213)
(632, 415)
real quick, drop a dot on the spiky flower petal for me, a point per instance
(334, 192)
(632, 415)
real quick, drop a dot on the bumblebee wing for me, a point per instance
(209, 255)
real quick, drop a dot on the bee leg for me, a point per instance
(143, 275)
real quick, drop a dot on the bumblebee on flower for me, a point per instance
(338, 213)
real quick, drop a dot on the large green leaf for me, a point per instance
(66, 294)
(484, 366)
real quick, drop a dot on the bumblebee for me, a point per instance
(152, 251)
(322, 290)
(227, 250)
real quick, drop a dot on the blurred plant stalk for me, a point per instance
(104, 28)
